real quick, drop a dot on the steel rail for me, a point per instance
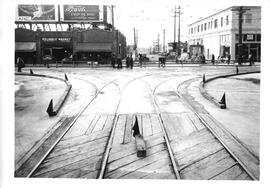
(176, 173)
(109, 143)
(63, 134)
(253, 177)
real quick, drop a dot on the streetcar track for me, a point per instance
(238, 161)
(108, 147)
(101, 173)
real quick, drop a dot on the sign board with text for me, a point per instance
(36, 13)
(82, 13)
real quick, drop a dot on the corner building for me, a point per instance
(218, 34)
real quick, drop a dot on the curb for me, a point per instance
(211, 98)
(63, 97)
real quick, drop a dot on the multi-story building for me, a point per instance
(218, 33)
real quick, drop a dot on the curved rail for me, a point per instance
(177, 175)
(109, 143)
(63, 134)
(253, 177)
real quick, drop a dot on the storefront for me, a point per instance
(251, 44)
(91, 44)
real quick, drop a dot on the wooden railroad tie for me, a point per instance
(140, 142)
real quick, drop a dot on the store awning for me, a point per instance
(94, 47)
(25, 46)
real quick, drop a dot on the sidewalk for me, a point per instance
(242, 116)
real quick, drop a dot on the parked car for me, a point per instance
(47, 59)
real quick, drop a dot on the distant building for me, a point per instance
(218, 34)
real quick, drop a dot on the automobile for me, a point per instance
(47, 58)
(145, 58)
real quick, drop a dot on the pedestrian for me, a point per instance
(140, 60)
(250, 59)
(213, 59)
(131, 62)
(113, 60)
(127, 61)
(203, 59)
(229, 59)
(20, 64)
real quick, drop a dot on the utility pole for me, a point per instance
(179, 45)
(158, 43)
(240, 10)
(174, 24)
(164, 40)
(113, 33)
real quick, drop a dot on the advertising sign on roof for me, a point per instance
(82, 13)
(36, 13)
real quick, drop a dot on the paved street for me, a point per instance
(140, 92)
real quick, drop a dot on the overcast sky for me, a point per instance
(150, 17)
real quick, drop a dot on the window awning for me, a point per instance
(93, 47)
(25, 46)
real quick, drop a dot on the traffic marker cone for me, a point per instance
(31, 72)
(135, 128)
(237, 70)
(66, 77)
(223, 102)
(203, 78)
(50, 109)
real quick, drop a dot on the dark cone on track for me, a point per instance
(66, 77)
(237, 70)
(31, 72)
(223, 102)
(135, 128)
(203, 78)
(50, 109)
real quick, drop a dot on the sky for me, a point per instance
(150, 17)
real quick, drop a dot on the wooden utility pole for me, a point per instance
(240, 21)
(113, 33)
(163, 40)
(240, 10)
(179, 46)
(158, 43)
(174, 24)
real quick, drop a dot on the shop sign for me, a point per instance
(82, 13)
(36, 13)
(56, 39)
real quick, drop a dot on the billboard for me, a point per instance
(36, 13)
(82, 13)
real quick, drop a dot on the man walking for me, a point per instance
(250, 59)
(20, 64)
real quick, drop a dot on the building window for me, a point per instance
(191, 30)
(216, 23)
(221, 22)
(198, 28)
(227, 20)
(201, 27)
(205, 25)
(211, 24)
(247, 18)
(208, 25)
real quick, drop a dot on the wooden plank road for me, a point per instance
(123, 161)
(79, 153)
(198, 153)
